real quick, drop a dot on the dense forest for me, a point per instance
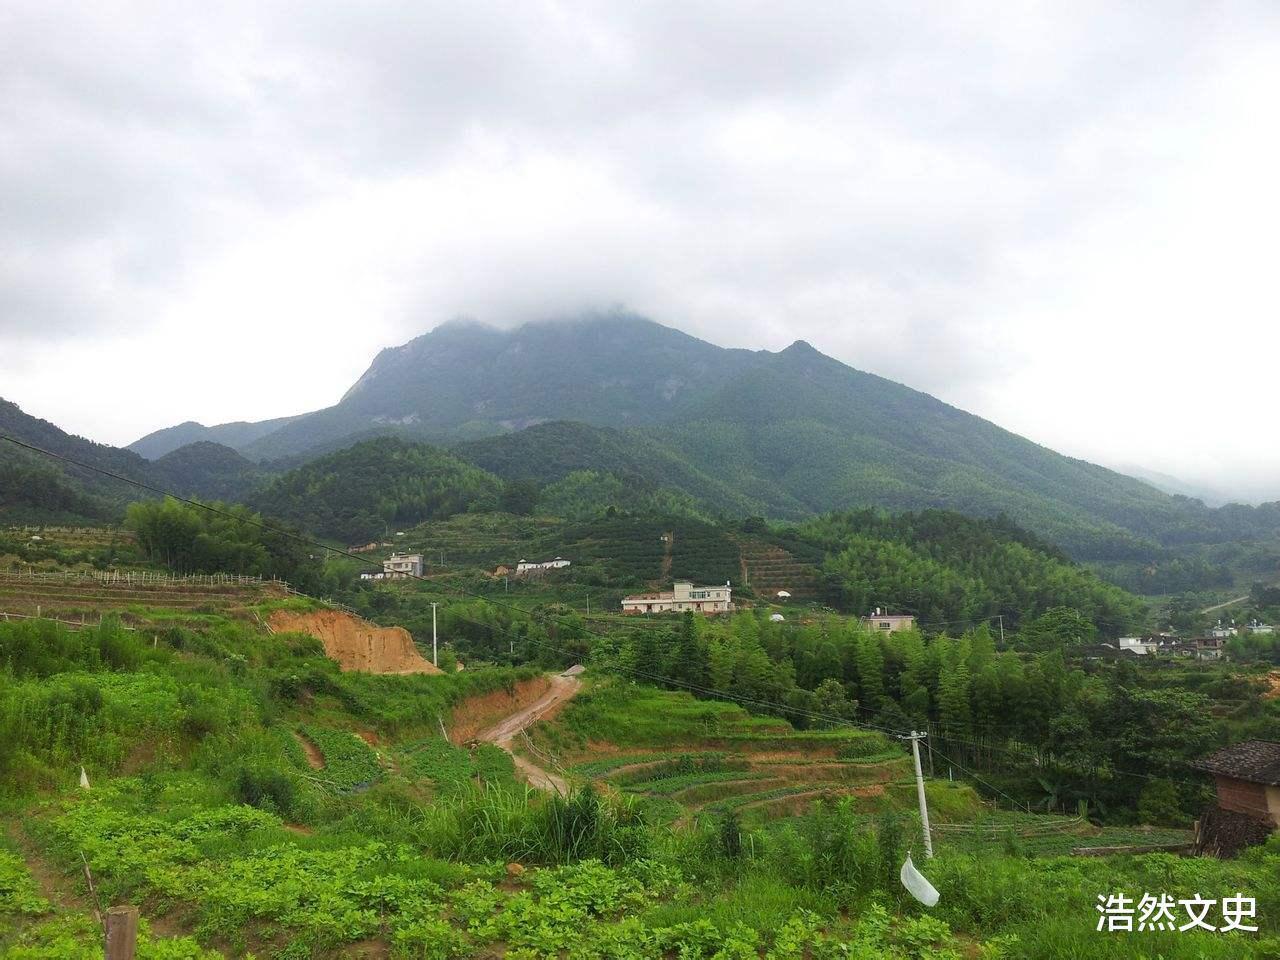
(32, 490)
(949, 569)
(786, 435)
(356, 494)
(231, 540)
(1046, 727)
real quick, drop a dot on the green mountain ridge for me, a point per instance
(40, 489)
(787, 435)
(356, 493)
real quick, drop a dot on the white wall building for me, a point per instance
(683, 596)
(889, 622)
(400, 565)
(525, 566)
(1142, 646)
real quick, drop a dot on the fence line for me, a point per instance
(77, 624)
(140, 577)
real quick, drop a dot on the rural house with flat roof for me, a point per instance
(889, 622)
(683, 596)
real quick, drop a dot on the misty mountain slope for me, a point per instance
(234, 435)
(613, 370)
(803, 429)
(788, 434)
(209, 470)
(466, 381)
(40, 489)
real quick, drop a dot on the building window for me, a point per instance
(886, 625)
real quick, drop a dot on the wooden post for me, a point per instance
(122, 933)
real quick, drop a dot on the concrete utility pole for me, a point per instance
(1000, 617)
(915, 739)
(435, 653)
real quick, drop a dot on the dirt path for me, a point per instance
(1224, 603)
(505, 731)
(315, 759)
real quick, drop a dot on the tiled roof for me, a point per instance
(1257, 761)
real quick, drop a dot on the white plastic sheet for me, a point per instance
(916, 884)
(84, 779)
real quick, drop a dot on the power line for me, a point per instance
(985, 783)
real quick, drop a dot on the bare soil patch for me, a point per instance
(356, 644)
(476, 714)
(1273, 686)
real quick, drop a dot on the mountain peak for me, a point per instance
(802, 348)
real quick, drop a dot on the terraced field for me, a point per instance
(683, 756)
(767, 569)
(75, 596)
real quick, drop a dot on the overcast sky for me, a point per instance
(1060, 217)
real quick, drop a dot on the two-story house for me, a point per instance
(683, 596)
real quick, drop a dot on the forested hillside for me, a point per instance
(40, 488)
(787, 434)
(550, 452)
(952, 570)
(208, 469)
(34, 490)
(353, 495)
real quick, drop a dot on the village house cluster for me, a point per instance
(1209, 647)
(530, 568)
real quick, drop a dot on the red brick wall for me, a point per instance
(1242, 797)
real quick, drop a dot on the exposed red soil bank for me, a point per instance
(354, 643)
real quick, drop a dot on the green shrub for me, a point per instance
(268, 790)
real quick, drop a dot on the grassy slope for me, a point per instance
(387, 847)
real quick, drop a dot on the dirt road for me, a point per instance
(504, 733)
(1224, 603)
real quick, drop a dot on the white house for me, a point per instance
(889, 622)
(525, 566)
(1222, 632)
(1141, 646)
(400, 565)
(1257, 626)
(683, 596)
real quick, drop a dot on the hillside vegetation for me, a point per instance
(353, 495)
(252, 798)
(784, 434)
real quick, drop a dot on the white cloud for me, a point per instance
(1055, 215)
